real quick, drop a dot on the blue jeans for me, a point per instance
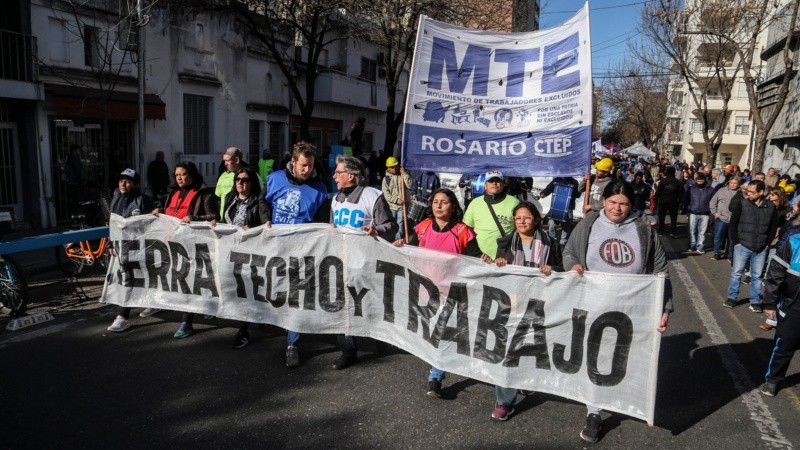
(347, 344)
(292, 338)
(398, 217)
(436, 374)
(505, 396)
(741, 256)
(697, 230)
(720, 235)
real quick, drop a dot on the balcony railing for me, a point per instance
(17, 53)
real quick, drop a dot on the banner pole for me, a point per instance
(587, 181)
(405, 207)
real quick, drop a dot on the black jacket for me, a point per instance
(753, 225)
(232, 200)
(669, 192)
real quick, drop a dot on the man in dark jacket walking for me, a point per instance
(754, 222)
(668, 196)
(697, 201)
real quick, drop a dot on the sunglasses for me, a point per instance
(243, 180)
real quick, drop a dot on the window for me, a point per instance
(697, 127)
(725, 159)
(254, 141)
(742, 91)
(276, 144)
(91, 49)
(196, 125)
(741, 126)
(369, 70)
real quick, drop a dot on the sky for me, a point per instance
(612, 22)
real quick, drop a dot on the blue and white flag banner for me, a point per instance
(592, 339)
(516, 102)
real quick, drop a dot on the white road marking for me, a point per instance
(48, 330)
(768, 427)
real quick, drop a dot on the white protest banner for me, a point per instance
(591, 339)
(516, 102)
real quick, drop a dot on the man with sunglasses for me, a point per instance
(490, 215)
(754, 222)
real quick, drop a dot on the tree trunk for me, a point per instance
(759, 148)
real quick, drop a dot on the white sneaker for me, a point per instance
(149, 312)
(120, 324)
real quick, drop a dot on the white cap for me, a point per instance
(494, 174)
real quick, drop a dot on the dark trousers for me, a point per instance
(787, 340)
(124, 312)
(663, 210)
(347, 344)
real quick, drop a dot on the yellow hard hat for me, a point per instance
(605, 164)
(392, 161)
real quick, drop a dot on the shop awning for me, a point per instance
(87, 102)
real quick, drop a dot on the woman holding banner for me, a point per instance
(616, 239)
(443, 230)
(528, 245)
(241, 210)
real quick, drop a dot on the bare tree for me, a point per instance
(636, 99)
(711, 43)
(392, 25)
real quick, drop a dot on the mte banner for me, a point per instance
(592, 339)
(516, 102)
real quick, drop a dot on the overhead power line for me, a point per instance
(598, 8)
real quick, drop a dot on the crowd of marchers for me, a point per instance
(624, 216)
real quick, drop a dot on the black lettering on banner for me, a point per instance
(415, 282)
(114, 249)
(619, 360)
(533, 318)
(390, 271)
(357, 297)
(202, 258)
(496, 325)
(156, 271)
(573, 364)
(325, 266)
(307, 284)
(256, 263)
(129, 267)
(456, 299)
(180, 267)
(278, 265)
(238, 260)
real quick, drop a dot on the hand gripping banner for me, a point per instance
(591, 339)
(516, 102)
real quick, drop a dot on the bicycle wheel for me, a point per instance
(70, 266)
(13, 287)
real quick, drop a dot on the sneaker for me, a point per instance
(525, 393)
(768, 389)
(149, 312)
(756, 308)
(120, 324)
(292, 357)
(344, 361)
(183, 331)
(729, 303)
(435, 388)
(700, 251)
(502, 411)
(717, 257)
(746, 279)
(672, 235)
(591, 432)
(241, 340)
(765, 326)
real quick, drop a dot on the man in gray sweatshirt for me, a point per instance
(719, 207)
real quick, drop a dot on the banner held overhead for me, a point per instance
(516, 102)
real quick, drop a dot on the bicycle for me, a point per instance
(13, 286)
(74, 257)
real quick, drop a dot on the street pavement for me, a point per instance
(69, 383)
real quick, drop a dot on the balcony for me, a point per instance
(17, 68)
(337, 87)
